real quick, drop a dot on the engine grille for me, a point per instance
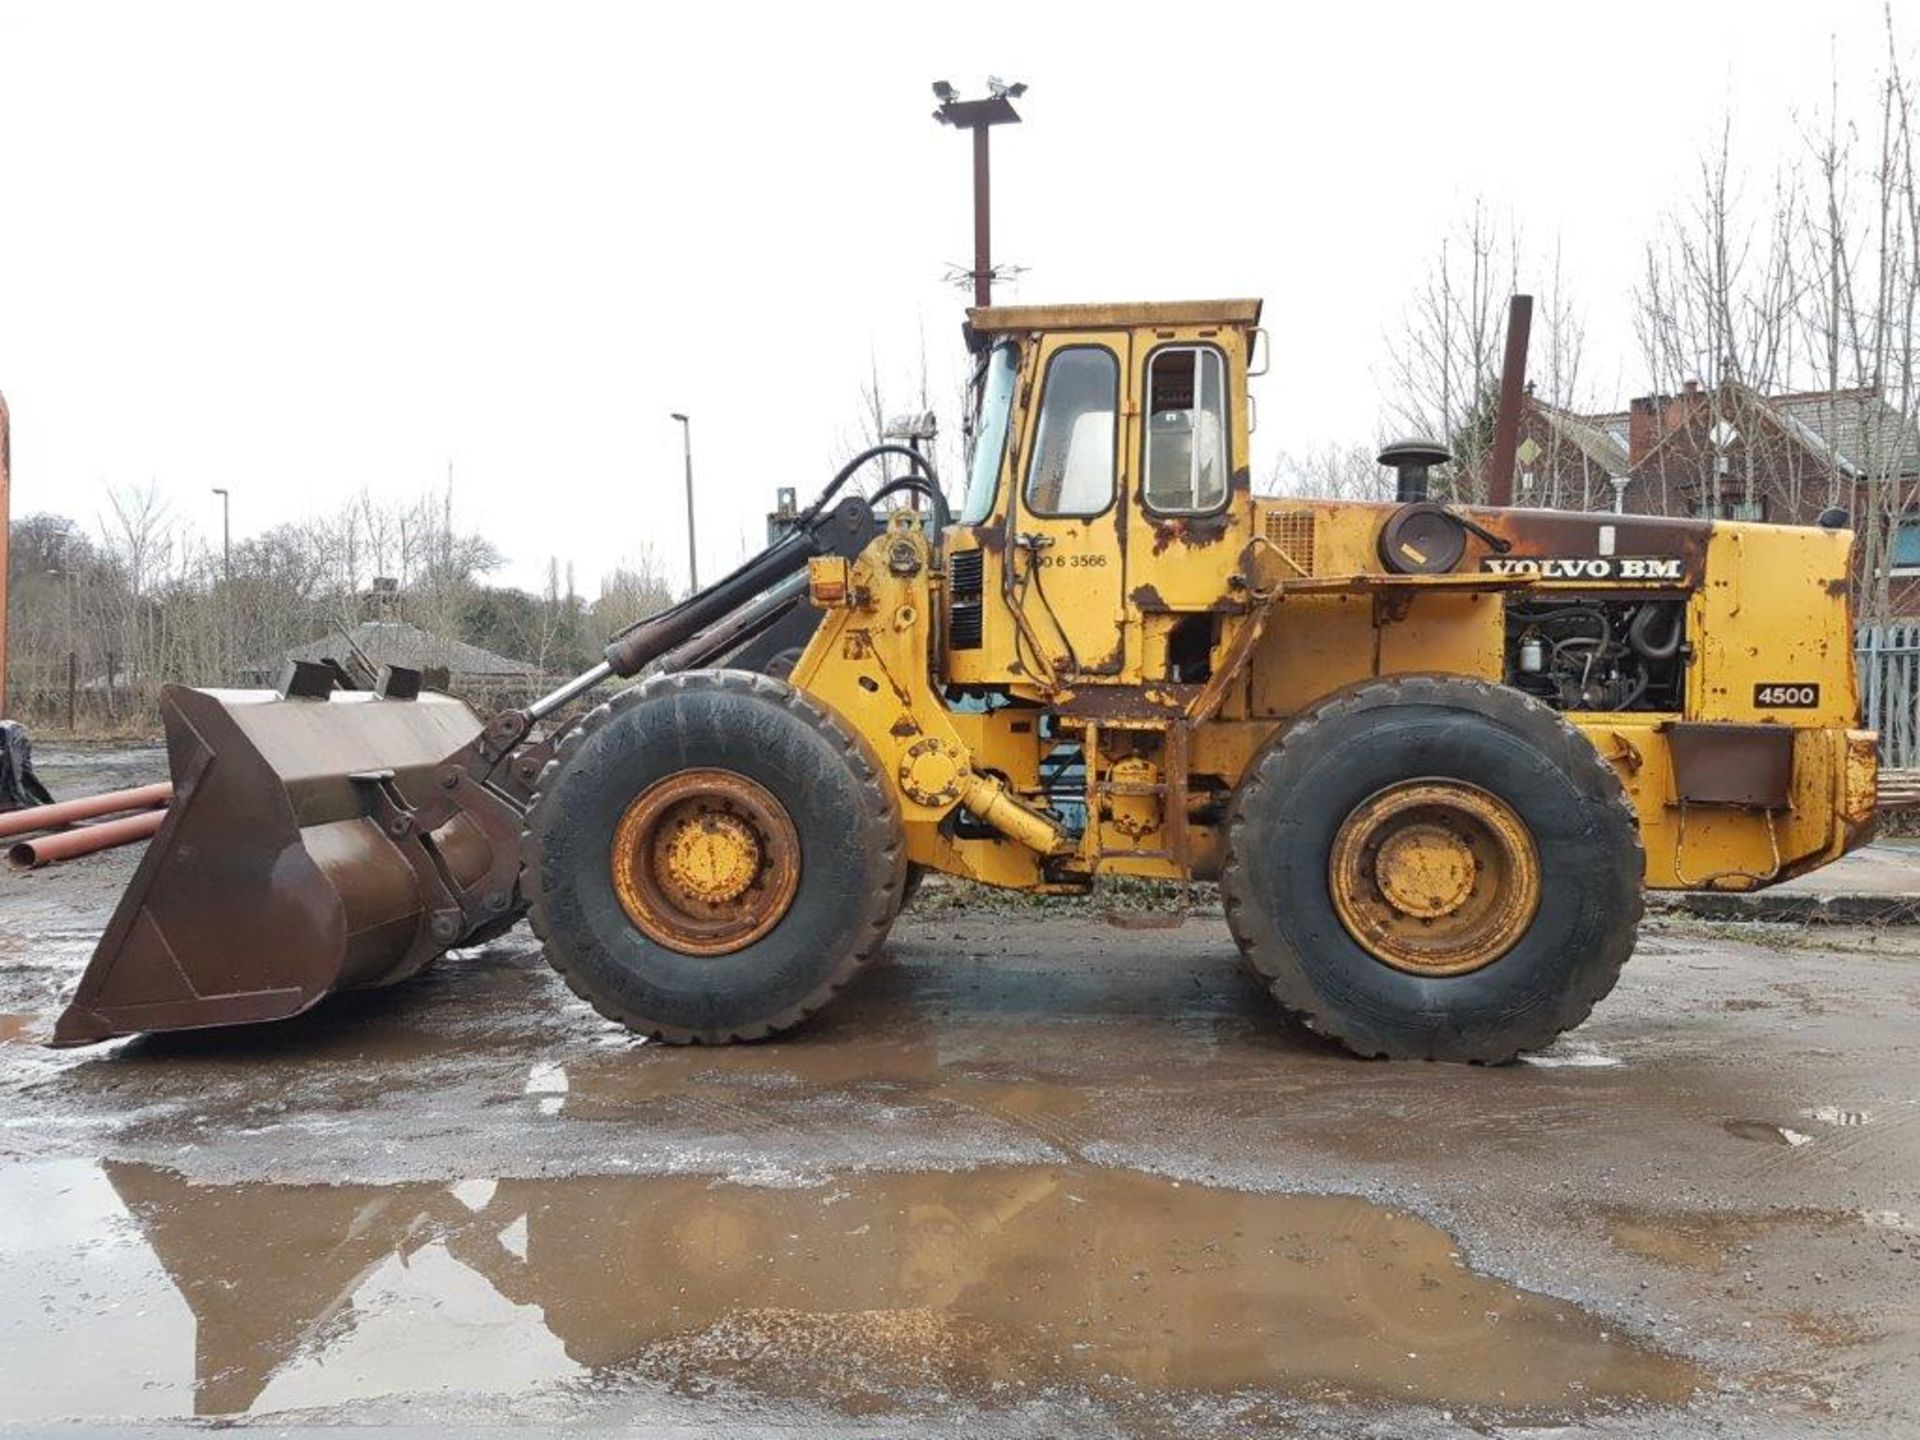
(965, 571)
(1291, 533)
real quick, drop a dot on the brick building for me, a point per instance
(1733, 453)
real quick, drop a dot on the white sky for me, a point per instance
(295, 250)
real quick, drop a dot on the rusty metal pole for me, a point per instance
(6, 535)
(980, 116)
(1513, 380)
(982, 220)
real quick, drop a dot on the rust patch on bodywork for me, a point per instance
(1127, 702)
(1193, 531)
(1108, 663)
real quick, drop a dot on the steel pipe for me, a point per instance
(87, 807)
(83, 840)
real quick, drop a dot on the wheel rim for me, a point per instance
(705, 862)
(1435, 877)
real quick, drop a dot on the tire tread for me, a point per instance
(879, 824)
(1272, 958)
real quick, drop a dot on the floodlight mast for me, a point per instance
(980, 116)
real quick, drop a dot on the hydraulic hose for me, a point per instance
(872, 452)
(633, 648)
(639, 645)
(919, 485)
(845, 529)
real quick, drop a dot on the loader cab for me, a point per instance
(1107, 500)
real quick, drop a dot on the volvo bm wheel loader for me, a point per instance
(1431, 755)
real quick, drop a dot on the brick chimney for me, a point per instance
(1642, 428)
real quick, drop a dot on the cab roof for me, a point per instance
(1005, 319)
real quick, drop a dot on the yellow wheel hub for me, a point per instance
(1424, 870)
(705, 862)
(1435, 877)
(713, 856)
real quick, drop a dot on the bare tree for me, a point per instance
(1868, 259)
(1331, 472)
(632, 590)
(1718, 317)
(1444, 374)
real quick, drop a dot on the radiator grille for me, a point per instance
(1291, 533)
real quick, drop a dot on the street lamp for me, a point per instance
(686, 449)
(226, 533)
(980, 116)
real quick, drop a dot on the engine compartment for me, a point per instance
(1592, 652)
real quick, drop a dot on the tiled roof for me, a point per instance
(1866, 433)
(394, 642)
(1590, 437)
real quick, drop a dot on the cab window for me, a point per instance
(1073, 449)
(987, 431)
(1186, 469)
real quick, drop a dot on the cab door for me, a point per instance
(1195, 507)
(1065, 567)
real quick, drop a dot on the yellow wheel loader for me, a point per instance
(1432, 755)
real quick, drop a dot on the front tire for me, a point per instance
(1433, 868)
(712, 856)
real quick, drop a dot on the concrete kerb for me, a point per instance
(1789, 907)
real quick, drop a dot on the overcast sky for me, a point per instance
(297, 250)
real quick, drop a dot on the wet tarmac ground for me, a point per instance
(1036, 1174)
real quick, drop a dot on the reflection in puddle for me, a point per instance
(1764, 1133)
(872, 1293)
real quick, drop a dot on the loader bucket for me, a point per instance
(289, 864)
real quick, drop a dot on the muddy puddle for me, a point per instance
(134, 1294)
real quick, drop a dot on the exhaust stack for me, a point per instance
(1513, 386)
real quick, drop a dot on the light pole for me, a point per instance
(226, 533)
(686, 449)
(980, 116)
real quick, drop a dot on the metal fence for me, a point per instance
(1889, 659)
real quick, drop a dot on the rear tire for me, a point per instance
(819, 916)
(1537, 874)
